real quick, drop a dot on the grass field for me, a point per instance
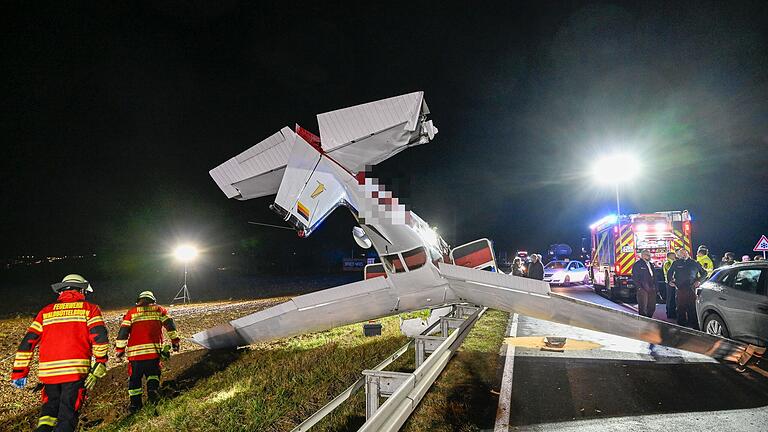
(275, 386)
(271, 387)
(19, 408)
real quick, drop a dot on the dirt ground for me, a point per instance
(19, 408)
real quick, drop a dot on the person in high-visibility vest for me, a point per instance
(68, 332)
(702, 256)
(141, 339)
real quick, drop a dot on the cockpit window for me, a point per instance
(393, 263)
(415, 258)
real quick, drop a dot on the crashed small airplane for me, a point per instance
(312, 176)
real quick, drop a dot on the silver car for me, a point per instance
(733, 303)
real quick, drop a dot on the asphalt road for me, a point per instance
(627, 385)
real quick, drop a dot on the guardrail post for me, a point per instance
(420, 354)
(464, 311)
(426, 345)
(371, 395)
(381, 384)
(448, 323)
(338, 400)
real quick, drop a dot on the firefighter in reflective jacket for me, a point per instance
(68, 332)
(702, 257)
(141, 339)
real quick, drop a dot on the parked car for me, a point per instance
(566, 272)
(733, 302)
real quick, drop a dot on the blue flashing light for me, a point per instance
(610, 219)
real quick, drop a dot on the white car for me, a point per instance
(565, 272)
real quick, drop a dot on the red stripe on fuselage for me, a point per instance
(373, 275)
(475, 258)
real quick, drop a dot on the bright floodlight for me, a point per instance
(185, 253)
(616, 168)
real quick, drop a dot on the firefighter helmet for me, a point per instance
(146, 295)
(72, 281)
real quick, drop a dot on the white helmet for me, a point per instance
(72, 281)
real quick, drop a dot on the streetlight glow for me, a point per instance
(616, 168)
(185, 253)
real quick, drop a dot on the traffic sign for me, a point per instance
(762, 245)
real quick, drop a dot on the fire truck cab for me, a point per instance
(617, 242)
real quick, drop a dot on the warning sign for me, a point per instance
(762, 245)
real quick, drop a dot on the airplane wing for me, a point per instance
(318, 311)
(533, 298)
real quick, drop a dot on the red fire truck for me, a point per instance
(618, 241)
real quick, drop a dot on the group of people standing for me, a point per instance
(730, 258)
(535, 269)
(73, 345)
(682, 275)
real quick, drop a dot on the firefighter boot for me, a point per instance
(136, 402)
(153, 387)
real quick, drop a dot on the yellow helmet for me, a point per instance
(146, 295)
(72, 281)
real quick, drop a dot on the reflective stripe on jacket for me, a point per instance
(69, 332)
(141, 332)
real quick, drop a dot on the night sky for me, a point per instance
(114, 113)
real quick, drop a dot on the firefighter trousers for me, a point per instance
(686, 307)
(137, 370)
(61, 403)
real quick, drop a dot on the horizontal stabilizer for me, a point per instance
(257, 171)
(372, 132)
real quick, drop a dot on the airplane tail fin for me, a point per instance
(312, 187)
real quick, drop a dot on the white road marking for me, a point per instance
(505, 392)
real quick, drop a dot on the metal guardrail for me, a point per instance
(343, 396)
(395, 383)
(346, 394)
(391, 415)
